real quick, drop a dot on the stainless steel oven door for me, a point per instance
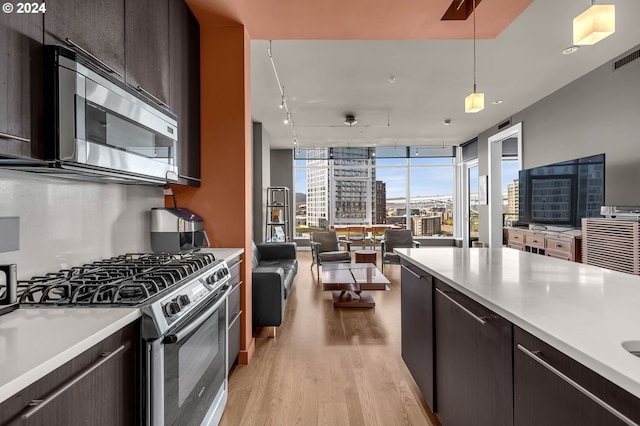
(187, 370)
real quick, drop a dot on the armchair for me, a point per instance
(395, 238)
(325, 247)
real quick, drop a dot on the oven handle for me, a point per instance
(197, 322)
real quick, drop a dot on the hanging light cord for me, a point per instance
(474, 46)
(289, 116)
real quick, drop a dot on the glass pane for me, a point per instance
(391, 195)
(473, 204)
(310, 153)
(432, 161)
(390, 162)
(510, 191)
(314, 206)
(431, 202)
(388, 152)
(300, 189)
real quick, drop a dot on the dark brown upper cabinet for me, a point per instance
(95, 25)
(184, 72)
(20, 83)
(147, 46)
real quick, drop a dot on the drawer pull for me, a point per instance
(18, 138)
(412, 273)
(535, 355)
(36, 404)
(558, 245)
(481, 320)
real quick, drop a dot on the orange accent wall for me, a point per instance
(224, 197)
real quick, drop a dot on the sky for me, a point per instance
(424, 180)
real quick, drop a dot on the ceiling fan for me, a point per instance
(350, 120)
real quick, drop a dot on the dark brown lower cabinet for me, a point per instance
(417, 328)
(552, 389)
(474, 364)
(98, 387)
(235, 310)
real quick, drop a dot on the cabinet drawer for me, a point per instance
(558, 245)
(516, 245)
(534, 241)
(234, 270)
(552, 389)
(234, 302)
(516, 237)
(560, 254)
(234, 339)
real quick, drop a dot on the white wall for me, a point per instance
(65, 222)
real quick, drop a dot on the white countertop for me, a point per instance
(36, 341)
(224, 253)
(584, 311)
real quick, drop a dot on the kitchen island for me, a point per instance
(532, 311)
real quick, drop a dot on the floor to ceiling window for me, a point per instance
(408, 187)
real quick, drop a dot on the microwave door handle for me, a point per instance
(177, 337)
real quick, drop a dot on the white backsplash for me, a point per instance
(66, 222)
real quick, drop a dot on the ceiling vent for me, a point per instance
(624, 61)
(503, 125)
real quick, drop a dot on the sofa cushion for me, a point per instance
(255, 256)
(287, 264)
(335, 256)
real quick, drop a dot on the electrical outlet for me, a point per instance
(9, 233)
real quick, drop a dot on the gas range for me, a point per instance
(183, 301)
(165, 286)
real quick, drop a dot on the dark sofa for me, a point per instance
(274, 267)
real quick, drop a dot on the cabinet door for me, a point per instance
(96, 388)
(184, 70)
(416, 312)
(147, 46)
(20, 83)
(95, 25)
(473, 347)
(544, 394)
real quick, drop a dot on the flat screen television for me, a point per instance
(561, 194)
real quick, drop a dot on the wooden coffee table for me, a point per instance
(351, 283)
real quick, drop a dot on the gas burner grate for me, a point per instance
(128, 279)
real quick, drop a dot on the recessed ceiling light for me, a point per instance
(498, 101)
(569, 50)
(392, 79)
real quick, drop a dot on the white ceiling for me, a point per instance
(325, 80)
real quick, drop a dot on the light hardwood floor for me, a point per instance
(328, 366)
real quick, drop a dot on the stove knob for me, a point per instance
(171, 308)
(184, 300)
(212, 279)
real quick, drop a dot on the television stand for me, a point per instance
(565, 245)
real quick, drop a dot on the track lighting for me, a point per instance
(287, 119)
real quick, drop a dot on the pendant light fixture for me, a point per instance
(475, 101)
(594, 24)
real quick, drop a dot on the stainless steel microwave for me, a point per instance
(97, 125)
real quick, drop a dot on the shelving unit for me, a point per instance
(277, 215)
